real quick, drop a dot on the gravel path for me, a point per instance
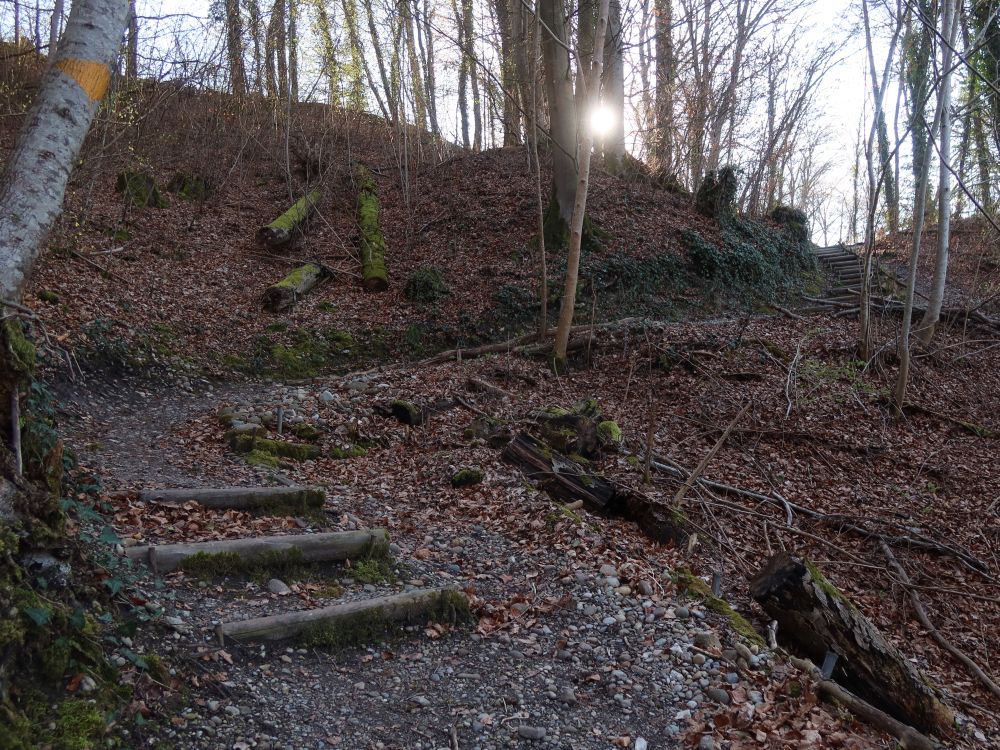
(585, 643)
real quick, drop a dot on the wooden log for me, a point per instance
(290, 224)
(351, 623)
(307, 548)
(814, 617)
(372, 243)
(567, 480)
(242, 498)
(283, 295)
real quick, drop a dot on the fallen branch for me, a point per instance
(943, 642)
(241, 498)
(693, 477)
(908, 737)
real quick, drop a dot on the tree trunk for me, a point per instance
(463, 78)
(234, 44)
(378, 44)
(293, 50)
(34, 181)
(283, 295)
(301, 548)
(253, 11)
(132, 43)
(373, 272)
(416, 76)
(591, 75)
(815, 617)
(54, 26)
(329, 52)
(562, 114)
(356, 97)
(928, 324)
(263, 499)
(613, 95)
(470, 52)
(508, 73)
(425, 37)
(353, 623)
(288, 227)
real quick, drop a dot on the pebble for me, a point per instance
(276, 586)
(718, 695)
(706, 743)
(641, 744)
(531, 733)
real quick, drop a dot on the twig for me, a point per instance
(679, 497)
(943, 642)
(790, 380)
(97, 265)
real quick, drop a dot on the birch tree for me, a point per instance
(928, 324)
(590, 73)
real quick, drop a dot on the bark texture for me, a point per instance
(814, 616)
(34, 181)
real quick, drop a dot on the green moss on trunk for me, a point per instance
(374, 277)
(693, 586)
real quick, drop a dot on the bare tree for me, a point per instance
(562, 120)
(590, 73)
(234, 45)
(613, 91)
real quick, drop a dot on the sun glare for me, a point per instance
(602, 120)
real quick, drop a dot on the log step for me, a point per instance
(242, 498)
(307, 548)
(352, 623)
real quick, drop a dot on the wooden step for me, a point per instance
(241, 498)
(353, 622)
(307, 548)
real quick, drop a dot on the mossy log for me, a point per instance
(280, 448)
(290, 224)
(372, 243)
(351, 623)
(283, 295)
(567, 480)
(307, 548)
(242, 498)
(814, 616)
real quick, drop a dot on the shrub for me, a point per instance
(426, 286)
(793, 220)
(716, 196)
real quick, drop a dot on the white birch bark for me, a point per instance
(927, 325)
(592, 78)
(34, 181)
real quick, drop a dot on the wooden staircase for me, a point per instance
(843, 269)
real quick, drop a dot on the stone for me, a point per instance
(707, 640)
(276, 586)
(682, 613)
(531, 733)
(706, 743)
(640, 743)
(567, 695)
(645, 588)
(718, 695)
(608, 570)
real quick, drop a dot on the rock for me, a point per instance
(608, 570)
(706, 743)
(718, 695)
(327, 397)
(531, 733)
(567, 695)
(640, 743)
(278, 587)
(682, 613)
(87, 684)
(707, 640)
(645, 588)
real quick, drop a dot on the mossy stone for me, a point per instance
(467, 477)
(190, 187)
(408, 412)
(139, 189)
(46, 295)
(609, 433)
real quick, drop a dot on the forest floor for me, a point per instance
(582, 637)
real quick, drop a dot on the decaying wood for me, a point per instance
(815, 617)
(240, 498)
(283, 295)
(908, 737)
(288, 227)
(566, 480)
(308, 548)
(409, 606)
(477, 385)
(974, 669)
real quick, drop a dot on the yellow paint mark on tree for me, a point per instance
(93, 77)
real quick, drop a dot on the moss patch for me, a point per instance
(426, 286)
(692, 585)
(353, 451)
(291, 219)
(211, 565)
(295, 451)
(139, 189)
(370, 626)
(373, 271)
(190, 187)
(467, 477)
